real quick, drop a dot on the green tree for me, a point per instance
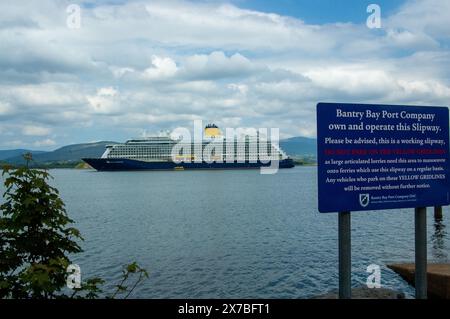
(36, 240)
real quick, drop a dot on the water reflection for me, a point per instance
(438, 240)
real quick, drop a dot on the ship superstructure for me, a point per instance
(213, 151)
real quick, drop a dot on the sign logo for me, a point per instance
(364, 200)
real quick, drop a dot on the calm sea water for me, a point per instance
(230, 234)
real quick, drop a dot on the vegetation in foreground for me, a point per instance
(47, 165)
(305, 160)
(37, 240)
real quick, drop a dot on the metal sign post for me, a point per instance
(421, 252)
(345, 260)
(438, 212)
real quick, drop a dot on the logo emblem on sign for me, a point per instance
(364, 200)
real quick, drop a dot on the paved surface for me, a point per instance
(438, 278)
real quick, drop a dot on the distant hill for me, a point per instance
(4, 154)
(71, 153)
(299, 146)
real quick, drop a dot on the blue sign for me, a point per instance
(382, 156)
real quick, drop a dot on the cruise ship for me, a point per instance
(157, 153)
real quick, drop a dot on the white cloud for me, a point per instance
(32, 130)
(119, 72)
(217, 65)
(407, 39)
(197, 86)
(46, 142)
(423, 91)
(162, 68)
(423, 16)
(156, 65)
(193, 68)
(225, 25)
(354, 79)
(35, 101)
(5, 108)
(241, 88)
(105, 101)
(13, 143)
(107, 92)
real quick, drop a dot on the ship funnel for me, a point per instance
(211, 130)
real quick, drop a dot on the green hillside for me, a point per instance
(67, 156)
(4, 154)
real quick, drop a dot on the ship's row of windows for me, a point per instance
(168, 148)
(241, 150)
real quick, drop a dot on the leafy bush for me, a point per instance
(36, 240)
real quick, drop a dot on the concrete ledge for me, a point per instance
(438, 278)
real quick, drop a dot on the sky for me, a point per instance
(135, 68)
